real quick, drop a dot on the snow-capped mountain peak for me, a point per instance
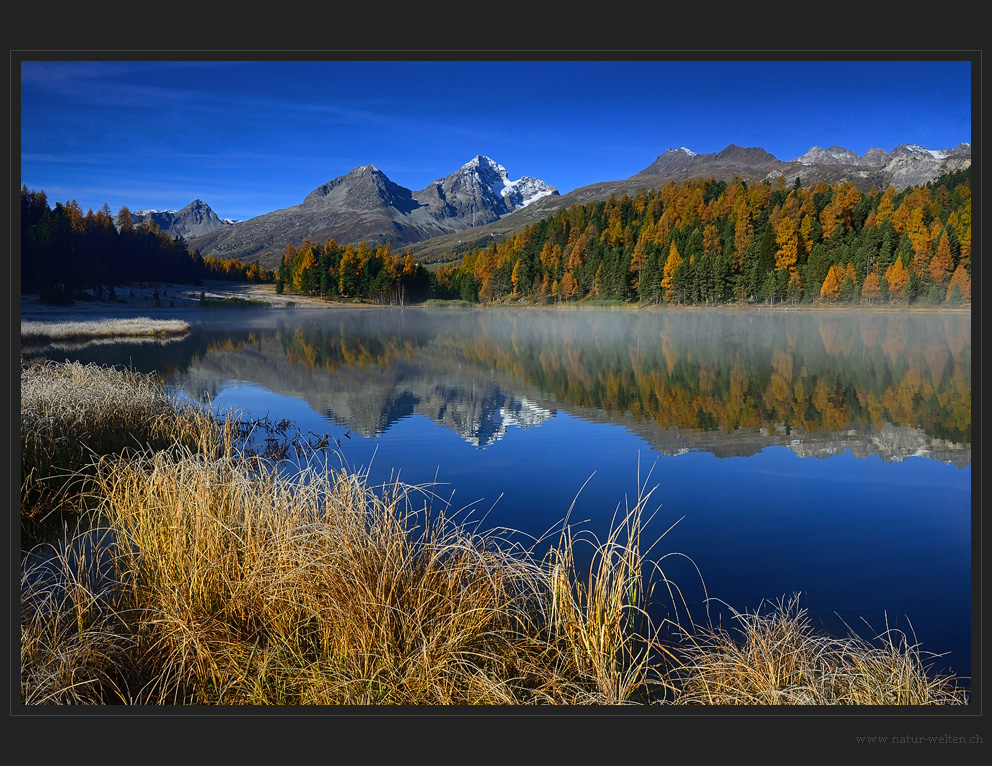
(489, 174)
(151, 211)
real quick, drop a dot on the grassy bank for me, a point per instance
(198, 573)
(132, 327)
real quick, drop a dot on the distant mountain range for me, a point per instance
(194, 220)
(478, 201)
(364, 205)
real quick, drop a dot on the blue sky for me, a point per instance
(249, 137)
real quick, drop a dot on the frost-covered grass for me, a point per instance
(73, 414)
(100, 328)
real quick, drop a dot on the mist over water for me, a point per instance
(823, 453)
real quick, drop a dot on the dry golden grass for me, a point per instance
(72, 414)
(232, 584)
(602, 618)
(778, 659)
(72, 641)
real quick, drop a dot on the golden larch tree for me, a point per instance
(568, 286)
(896, 276)
(830, 289)
(673, 262)
(962, 281)
(515, 276)
(942, 263)
(787, 239)
(743, 229)
(871, 290)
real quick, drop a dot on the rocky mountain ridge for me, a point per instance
(194, 220)
(364, 205)
(478, 201)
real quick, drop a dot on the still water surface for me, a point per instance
(816, 453)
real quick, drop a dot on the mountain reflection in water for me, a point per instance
(726, 382)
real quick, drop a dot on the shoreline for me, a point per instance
(173, 301)
(180, 301)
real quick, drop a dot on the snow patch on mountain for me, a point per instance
(516, 194)
(939, 154)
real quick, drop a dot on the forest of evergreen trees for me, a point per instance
(699, 242)
(66, 254)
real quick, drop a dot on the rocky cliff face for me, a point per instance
(835, 155)
(911, 165)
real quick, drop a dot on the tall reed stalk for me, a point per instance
(604, 619)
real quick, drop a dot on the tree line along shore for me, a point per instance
(698, 242)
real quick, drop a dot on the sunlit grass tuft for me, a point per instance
(775, 657)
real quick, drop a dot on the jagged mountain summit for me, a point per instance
(194, 220)
(906, 165)
(484, 184)
(837, 155)
(683, 161)
(364, 205)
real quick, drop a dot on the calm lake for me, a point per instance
(820, 453)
